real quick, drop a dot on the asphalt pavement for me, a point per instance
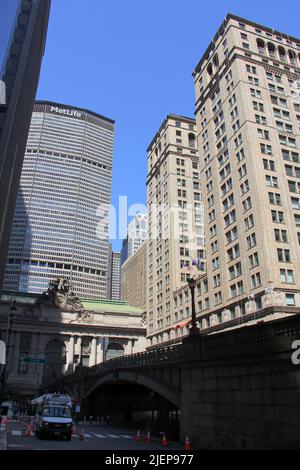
(87, 437)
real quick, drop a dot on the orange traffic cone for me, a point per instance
(138, 436)
(164, 440)
(148, 438)
(187, 445)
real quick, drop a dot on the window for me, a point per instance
(256, 280)
(266, 149)
(284, 256)
(297, 220)
(253, 260)
(272, 181)
(281, 235)
(286, 276)
(275, 198)
(295, 203)
(263, 134)
(290, 300)
(278, 217)
(269, 165)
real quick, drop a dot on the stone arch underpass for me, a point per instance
(135, 377)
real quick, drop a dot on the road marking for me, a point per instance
(126, 437)
(113, 436)
(100, 436)
(16, 433)
(87, 435)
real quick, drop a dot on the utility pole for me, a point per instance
(5, 371)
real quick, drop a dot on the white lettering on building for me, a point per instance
(66, 112)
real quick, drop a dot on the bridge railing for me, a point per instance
(158, 356)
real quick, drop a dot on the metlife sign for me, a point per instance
(66, 112)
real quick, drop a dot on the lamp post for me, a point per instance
(194, 331)
(5, 372)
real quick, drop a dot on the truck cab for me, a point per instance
(54, 418)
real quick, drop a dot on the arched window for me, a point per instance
(216, 60)
(114, 350)
(282, 54)
(192, 139)
(271, 49)
(261, 46)
(292, 57)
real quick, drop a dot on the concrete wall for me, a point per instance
(240, 389)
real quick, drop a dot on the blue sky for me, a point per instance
(132, 60)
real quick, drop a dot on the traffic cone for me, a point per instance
(187, 445)
(138, 436)
(148, 438)
(164, 440)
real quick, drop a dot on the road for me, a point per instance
(100, 437)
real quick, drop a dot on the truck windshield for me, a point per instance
(57, 412)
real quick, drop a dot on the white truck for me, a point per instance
(53, 416)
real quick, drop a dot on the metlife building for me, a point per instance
(60, 229)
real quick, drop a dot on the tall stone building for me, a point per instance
(60, 226)
(248, 114)
(175, 220)
(23, 28)
(134, 278)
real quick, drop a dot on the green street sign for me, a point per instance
(34, 360)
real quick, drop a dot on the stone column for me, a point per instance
(79, 349)
(70, 361)
(93, 359)
(16, 352)
(99, 350)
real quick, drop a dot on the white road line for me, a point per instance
(16, 433)
(113, 436)
(126, 437)
(87, 435)
(100, 436)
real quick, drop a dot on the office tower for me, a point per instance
(175, 220)
(114, 275)
(124, 250)
(134, 278)
(60, 226)
(23, 28)
(248, 116)
(137, 233)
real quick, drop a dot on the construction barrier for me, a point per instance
(164, 442)
(187, 445)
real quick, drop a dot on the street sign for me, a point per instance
(2, 353)
(77, 409)
(34, 360)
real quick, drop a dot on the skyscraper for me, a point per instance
(60, 226)
(248, 115)
(23, 27)
(175, 220)
(137, 233)
(114, 275)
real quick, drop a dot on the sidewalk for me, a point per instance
(3, 440)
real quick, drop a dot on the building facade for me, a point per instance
(114, 275)
(137, 233)
(134, 278)
(60, 226)
(124, 250)
(23, 28)
(175, 221)
(65, 336)
(248, 114)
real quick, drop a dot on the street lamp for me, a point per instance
(194, 331)
(5, 372)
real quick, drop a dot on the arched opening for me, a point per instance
(271, 50)
(56, 355)
(114, 350)
(210, 70)
(282, 53)
(292, 57)
(216, 60)
(261, 46)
